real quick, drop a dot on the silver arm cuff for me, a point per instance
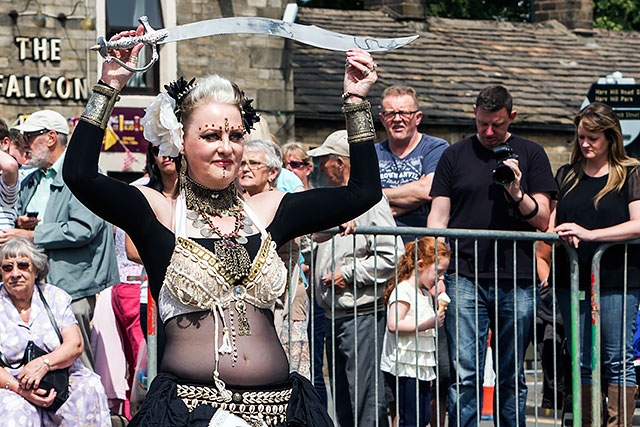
(100, 105)
(359, 122)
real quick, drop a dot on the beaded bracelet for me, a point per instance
(11, 380)
(348, 94)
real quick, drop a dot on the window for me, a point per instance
(120, 17)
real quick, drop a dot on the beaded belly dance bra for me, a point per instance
(196, 280)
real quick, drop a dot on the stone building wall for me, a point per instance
(44, 67)
(574, 14)
(258, 64)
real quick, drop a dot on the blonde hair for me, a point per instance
(213, 88)
(599, 117)
(425, 250)
(296, 148)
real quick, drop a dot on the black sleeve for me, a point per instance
(318, 209)
(116, 201)
(633, 183)
(561, 174)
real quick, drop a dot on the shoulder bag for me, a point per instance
(57, 379)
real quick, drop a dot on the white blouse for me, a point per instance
(405, 357)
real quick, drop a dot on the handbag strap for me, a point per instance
(5, 362)
(3, 358)
(51, 318)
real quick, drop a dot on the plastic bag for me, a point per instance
(140, 383)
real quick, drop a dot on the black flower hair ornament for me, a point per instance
(249, 114)
(178, 90)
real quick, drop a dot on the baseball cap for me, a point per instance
(336, 143)
(44, 119)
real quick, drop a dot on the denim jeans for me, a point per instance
(473, 311)
(611, 326)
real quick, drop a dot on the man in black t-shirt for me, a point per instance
(467, 195)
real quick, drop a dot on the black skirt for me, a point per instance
(163, 408)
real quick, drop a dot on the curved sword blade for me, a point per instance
(308, 34)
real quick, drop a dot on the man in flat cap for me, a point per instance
(350, 279)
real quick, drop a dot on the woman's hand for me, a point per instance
(112, 73)
(360, 73)
(32, 373)
(38, 397)
(572, 233)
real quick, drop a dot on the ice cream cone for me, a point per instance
(443, 302)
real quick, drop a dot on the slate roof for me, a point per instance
(547, 68)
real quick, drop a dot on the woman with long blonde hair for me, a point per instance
(599, 201)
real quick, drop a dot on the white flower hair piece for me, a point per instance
(161, 126)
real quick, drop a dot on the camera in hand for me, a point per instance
(503, 174)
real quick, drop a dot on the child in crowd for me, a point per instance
(409, 346)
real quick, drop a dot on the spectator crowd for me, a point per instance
(368, 303)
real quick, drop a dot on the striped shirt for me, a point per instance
(8, 199)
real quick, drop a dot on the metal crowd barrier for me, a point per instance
(495, 236)
(452, 235)
(596, 366)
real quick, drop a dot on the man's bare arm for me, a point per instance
(408, 197)
(439, 214)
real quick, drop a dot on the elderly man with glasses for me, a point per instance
(408, 158)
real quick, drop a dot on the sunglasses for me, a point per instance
(294, 164)
(28, 136)
(22, 266)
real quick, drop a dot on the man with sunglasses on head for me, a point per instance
(408, 158)
(79, 244)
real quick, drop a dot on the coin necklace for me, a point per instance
(229, 250)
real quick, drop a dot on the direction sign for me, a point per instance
(624, 98)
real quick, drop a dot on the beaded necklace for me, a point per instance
(204, 203)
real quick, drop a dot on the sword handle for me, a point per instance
(150, 37)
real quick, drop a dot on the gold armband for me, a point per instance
(359, 122)
(100, 105)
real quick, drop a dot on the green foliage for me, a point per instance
(616, 14)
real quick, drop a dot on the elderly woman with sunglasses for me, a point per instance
(296, 160)
(24, 318)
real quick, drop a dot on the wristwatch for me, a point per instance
(47, 362)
